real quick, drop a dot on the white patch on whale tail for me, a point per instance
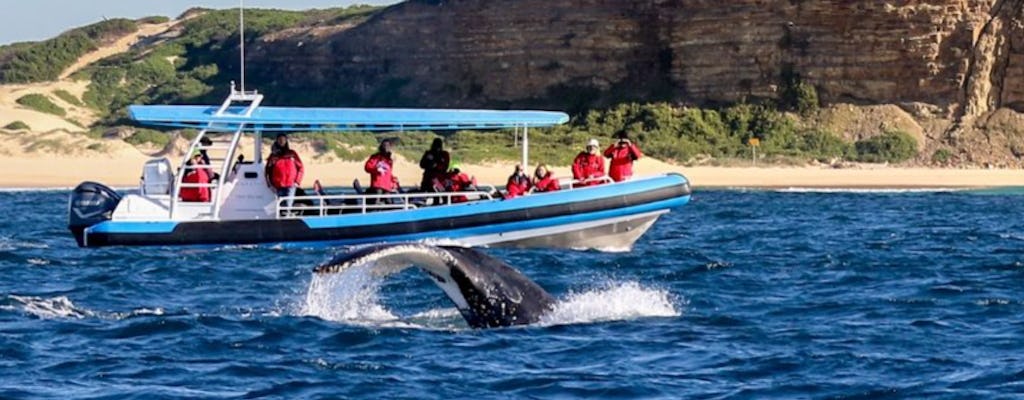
(615, 302)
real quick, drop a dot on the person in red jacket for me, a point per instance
(623, 152)
(457, 181)
(588, 167)
(518, 183)
(543, 181)
(381, 169)
(284, 169)
(195, 176)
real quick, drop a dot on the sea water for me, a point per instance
(745, 294)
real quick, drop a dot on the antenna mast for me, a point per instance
(241, 39)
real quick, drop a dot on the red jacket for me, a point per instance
(546, 184)
(621, 167)
(196, 194)
(587, 166)
(518, 185)
(457, 182)
(381, 170)
(285, 170)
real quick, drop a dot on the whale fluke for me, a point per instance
(488, 292)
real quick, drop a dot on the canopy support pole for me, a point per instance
(526, 147)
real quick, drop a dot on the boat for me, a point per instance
(243, 210)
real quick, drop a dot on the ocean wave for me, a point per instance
(51, 307)
(61, 307)
(8, 243)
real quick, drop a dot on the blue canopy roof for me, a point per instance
(295, 119)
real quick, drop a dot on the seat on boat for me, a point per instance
(156, 177)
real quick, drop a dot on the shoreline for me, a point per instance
(61, 172)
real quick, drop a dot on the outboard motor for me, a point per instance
(90, 203)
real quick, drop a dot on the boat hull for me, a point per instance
(609, 216)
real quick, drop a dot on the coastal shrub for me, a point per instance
(156, 19)
(17, 126)
(148, 137)
(68, 97)
(824, 146)
(41, 103)
(942, 156)
(795, 94)
(45, 60)
(892, 147)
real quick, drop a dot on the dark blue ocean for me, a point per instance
(740, 294)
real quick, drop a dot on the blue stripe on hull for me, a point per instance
(456, 234)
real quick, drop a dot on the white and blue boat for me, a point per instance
(243, 210)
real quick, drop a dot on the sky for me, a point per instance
(25, 20)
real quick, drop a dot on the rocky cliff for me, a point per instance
(964, 56)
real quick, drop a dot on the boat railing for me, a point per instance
(573, 183)
(323, 205)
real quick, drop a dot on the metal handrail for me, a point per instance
(600, 180)
(406, 201)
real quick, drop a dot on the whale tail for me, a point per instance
(487, 292)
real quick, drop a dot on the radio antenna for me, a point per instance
(241, 39)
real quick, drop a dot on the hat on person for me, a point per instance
(455, 166)
(195, 153)
(593, 143)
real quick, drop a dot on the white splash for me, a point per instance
(351, 296)
(616, 302)
(50, 308)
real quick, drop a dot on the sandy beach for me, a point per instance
(123, 169)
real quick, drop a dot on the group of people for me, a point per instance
(284, 171)
(587, 168)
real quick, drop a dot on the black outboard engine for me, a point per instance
(90, 204)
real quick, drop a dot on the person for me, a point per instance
(434, 163)
(623, 152)
(518, 183)
(194, 175)
(284, 169)
(543, 181)
(588, 167)
(457, 181)
(205, 142)
(381, 169)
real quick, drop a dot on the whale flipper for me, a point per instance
(488, 292)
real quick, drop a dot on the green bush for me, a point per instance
(68, 97)
(892, 147)
(17, 126)
(156, 19)
(825, 146)
(149, 136)
(45, 60)
(942, 156)
(41, 103)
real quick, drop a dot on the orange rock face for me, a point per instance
(966, 56)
